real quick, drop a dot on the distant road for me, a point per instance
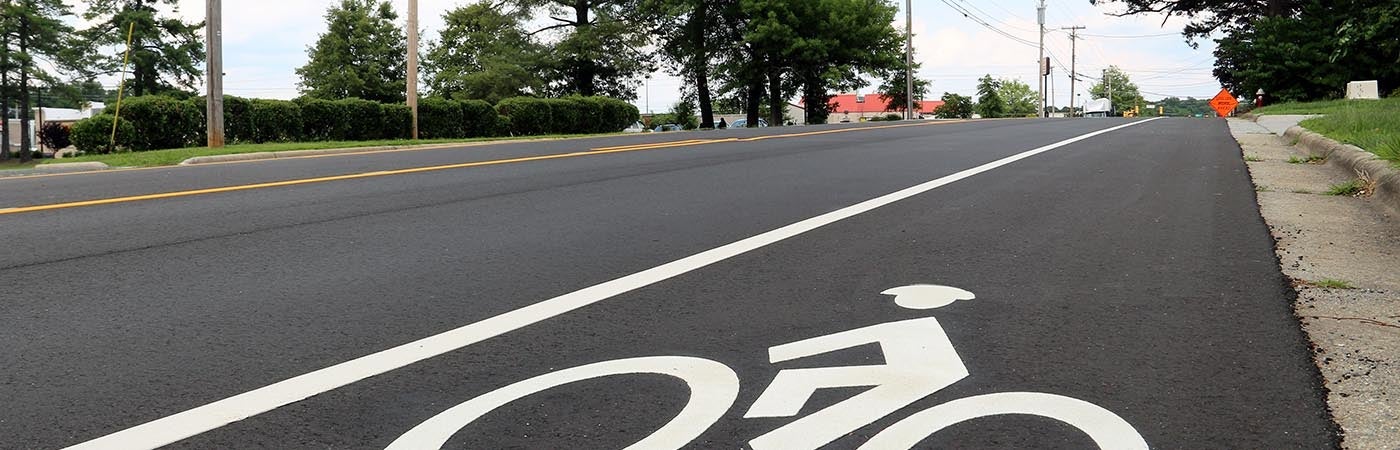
(1048, 284)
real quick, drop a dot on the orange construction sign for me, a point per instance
(1224, 103)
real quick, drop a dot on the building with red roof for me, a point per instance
(862, 107)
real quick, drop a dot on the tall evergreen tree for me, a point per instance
(362, 54)
(166, 53)
(33, 30)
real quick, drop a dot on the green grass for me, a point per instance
(1333, 284)
(14, 164)
(1349, 189)
(1252, 158)
(1373, 125)
(175, 156)
(1309, 160)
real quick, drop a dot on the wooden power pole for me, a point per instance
(1040, 62)
(909, 59)
(214, 72)
(1073, 75)
(413, 63)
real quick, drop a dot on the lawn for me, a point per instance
(172, 157)
(14, 164)
(1373, 125)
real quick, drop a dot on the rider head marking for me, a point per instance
(927, 296)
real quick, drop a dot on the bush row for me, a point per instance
(573, 115)
(155, 122)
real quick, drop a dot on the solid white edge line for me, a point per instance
(214, 415)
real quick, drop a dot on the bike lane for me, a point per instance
(1130, 271)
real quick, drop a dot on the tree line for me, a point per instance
(1294, 50)
(753, 54)
(39, 44)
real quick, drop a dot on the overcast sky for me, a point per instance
(266, 40)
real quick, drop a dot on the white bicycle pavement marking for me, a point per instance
(1108, 430)
(217, 414)
(713, 388)
(919, 361)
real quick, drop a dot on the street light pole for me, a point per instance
(909, 59)
(412, 77)
(214, 73)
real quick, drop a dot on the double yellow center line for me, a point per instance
(385, 173)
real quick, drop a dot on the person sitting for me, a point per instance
(722, 124)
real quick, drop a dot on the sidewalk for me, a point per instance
(1335, 241)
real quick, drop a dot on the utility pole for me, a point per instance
(909, 59)
(1040, 62)
(1108, 90)
(1073, 74)
(214, 72)
(413, 63)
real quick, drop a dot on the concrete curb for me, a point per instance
(1351, 158)
(70, 167)
(329, 151)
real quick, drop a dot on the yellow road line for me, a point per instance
(355, 176)
(247, 187)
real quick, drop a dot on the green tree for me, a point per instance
(1125, 93)
(362, 54)
(599, 52)
(1019, 98)
(815, 47)
(1208, 16)
(989, 102)
(30, 31)
(483, 53)
(693, 35)
(954, 107)
(895, 88)
(166, 53)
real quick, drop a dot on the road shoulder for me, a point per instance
(1340, 251)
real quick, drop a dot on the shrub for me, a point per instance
(894, 117)
(93, 135)
(55, 135)
(397, 123)
(238, 126)
(617, 115)
(323, 120)
(440, 118)
(568, 116)
(528, 116)
(162, 122)
(363, 119)
(481, 118)
(276, 121)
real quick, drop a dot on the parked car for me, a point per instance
(668, 127)
(744, 123)
(636, 127)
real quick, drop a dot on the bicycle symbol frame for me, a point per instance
(919, 361)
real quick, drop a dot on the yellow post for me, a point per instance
(112, 144)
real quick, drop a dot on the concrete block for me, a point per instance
(1367, 90)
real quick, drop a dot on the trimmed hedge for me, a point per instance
(92, 135)
(162, 122)
(440, 118)
(528, 115)
(481, 119)
(276, 121)
(573, 115)
(156, 122)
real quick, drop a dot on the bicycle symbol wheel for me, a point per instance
(713, 389)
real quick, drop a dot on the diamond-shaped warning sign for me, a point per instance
(1224, 103)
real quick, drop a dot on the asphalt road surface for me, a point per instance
(1011, 283)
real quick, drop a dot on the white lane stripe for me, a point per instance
(189, 423)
